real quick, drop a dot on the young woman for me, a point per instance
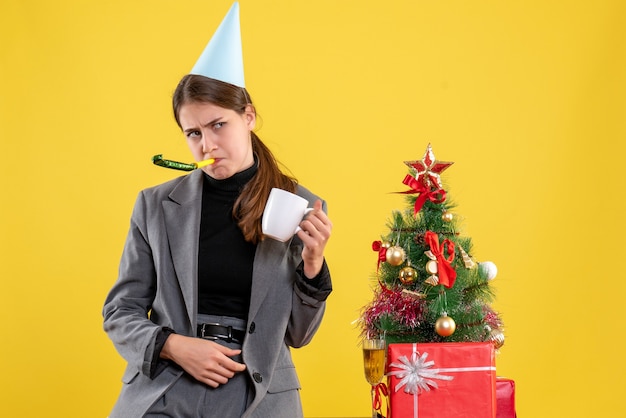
(205, 308)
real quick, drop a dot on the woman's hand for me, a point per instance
(207, 361)
(316, 228)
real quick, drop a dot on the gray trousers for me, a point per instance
(188, 398)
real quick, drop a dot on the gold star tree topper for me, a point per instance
(428, 169)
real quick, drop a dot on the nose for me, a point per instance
(207, 144)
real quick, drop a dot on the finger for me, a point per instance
(318, 211)
(220, 360)
(232, 366)
(316, 220)
(218, 374)
(321, 216)
(214, 381)
(227, 351)
(317, 228)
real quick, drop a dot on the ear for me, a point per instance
(250, 116)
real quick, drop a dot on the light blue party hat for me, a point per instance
(222, 58)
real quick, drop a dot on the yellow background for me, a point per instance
(527, 98)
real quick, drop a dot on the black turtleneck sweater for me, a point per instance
(225, 258)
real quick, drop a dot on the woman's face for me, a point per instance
(216, 132)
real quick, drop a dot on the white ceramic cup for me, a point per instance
(283, 213)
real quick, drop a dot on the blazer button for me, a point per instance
(257, 377)
(252, 327)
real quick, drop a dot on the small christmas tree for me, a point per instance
(430, 289)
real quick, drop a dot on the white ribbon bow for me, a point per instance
(416, 374)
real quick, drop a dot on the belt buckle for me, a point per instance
(228, 337)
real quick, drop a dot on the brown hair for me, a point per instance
(249, 206)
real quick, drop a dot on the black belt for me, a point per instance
(221, 332)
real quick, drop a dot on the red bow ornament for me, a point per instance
(425, 193)
(447, 274)
(382, 252)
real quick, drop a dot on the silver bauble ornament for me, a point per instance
(487, 270)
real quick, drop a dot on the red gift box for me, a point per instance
(505, 398)
(442, 380)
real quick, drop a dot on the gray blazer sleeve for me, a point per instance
(309, 302)
(128, 303)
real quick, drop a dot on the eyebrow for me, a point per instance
(205, 125)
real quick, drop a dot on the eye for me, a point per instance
(218, 125)
(193, 134)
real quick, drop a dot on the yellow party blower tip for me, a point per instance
(205, 163)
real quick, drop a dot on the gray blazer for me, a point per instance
(157, 287)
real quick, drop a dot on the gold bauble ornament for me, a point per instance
(445, 326)
(497, 338)
(447, 216)
(431, 267)
(385, 244)
(407, 275)
(395, 255)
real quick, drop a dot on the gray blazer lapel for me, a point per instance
(182, 223)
